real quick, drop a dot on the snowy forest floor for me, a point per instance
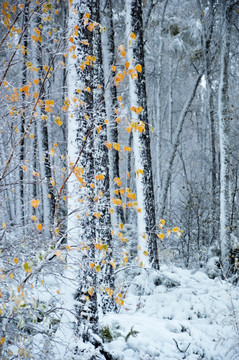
(178, 314)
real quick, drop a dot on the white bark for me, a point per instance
(65, 335)
(147, 249)
(110, 100)
(224, 136)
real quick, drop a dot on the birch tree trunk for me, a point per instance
(21, 207)
(207, 37)
(110, 98)
(87, 311)
(159, 116)
(80, 319)
(147, 240)
(89, 196)
(224, 137)
(101, 162)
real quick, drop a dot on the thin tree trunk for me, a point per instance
(159, 116)
(224, 137)
(101, 162)
(111, 98)
(176, 142)
(23, 116)
(208, 58)
(147, 240)
(48, 195)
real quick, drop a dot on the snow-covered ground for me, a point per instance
(179, 314)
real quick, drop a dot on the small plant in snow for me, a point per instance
(132, 332)
(105, 334)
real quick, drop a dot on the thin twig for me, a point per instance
(182, 351)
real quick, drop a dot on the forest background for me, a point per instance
(118, 148)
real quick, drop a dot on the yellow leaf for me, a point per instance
(97, 268)
(11, 276)
(39, 227)
(112, 263)
(91, 26)
(58, 253)
(116, 146)
(116, 179)
(58, 121)
(85, 42)
(121, 226)
(35, 203)
(111, 211)
(25, 88)
(109, 291)
(34, 218)
(161, 236)
(90, 290)
(145, 253)
(138, 109)
(49, 102)
(138, 68)
(119, 301)
(127, 148)
(113, 68)
(91, 264)
(175, 229)
(133, 36)
(58, 291)
(15, 260)
(37, 31)
(162, 221)
(52, 152)
(4, 225)
(109, 146)
(97, 215)
(36, 81)
(134, 76)
(99, 177)
(140, 171)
